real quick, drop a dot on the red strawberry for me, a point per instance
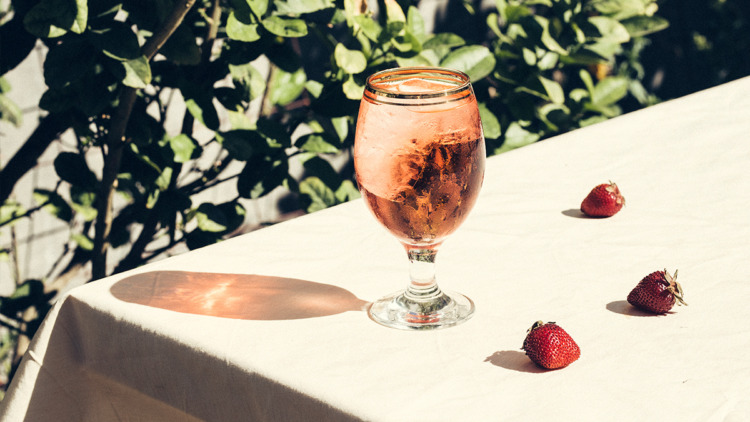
(604, 200)
(549, 346)
(657, 292)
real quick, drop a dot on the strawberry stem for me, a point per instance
(674, 287)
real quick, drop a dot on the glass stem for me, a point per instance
(423, 287)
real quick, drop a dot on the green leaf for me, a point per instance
(250, 78)
(79, 23)
(347, 191)
(323, 170)
(53, 203)
(611, 30)
(300, 7)
(319, 143)
(490, 124)
(394, 11)
(320, 195)
(236, 30)
(444, 39)
(604, 50)
(241, 144)
(592, 120)
(415, 22)
(548, 61)
(315, 88)
(153, 196)
(639, 26)
(165, 179)
(547, 3)
(475, 60)
(640, 93)
(438, 46)
(515, 137)
(546, 37)
(287, 87)
(583, 57)
(72, 168)
(83, 202)
(553, 89)
(587, 80)
(579, 94)
(529, 57)
(83, 241)
(137, 72)
(235, 214)
(352, 89)
(406, 42)
(54, 18)
(352, 61)
(9, 111)
(609, 91)
(10, 211)
(392, 30)
(210, 218)
(554, 115)
(494, 24)
(259, 7)
(513, 13)
(285, 27)
(341, 126)
(369, 27)
(619, 9)
(182, 146)
(117, 41)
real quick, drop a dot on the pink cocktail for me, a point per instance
(419, 157)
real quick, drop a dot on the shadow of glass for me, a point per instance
(625, 308)
(236, 296)
(514, 360)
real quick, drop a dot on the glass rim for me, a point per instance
(457, 75)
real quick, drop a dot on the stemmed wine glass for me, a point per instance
(419, 157)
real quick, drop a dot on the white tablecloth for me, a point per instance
(270, 325)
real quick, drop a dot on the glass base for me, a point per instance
(400, 311)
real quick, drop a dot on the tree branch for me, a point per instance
(150, 225)
(116, 142)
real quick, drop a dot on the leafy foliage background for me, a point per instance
(267, 86)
